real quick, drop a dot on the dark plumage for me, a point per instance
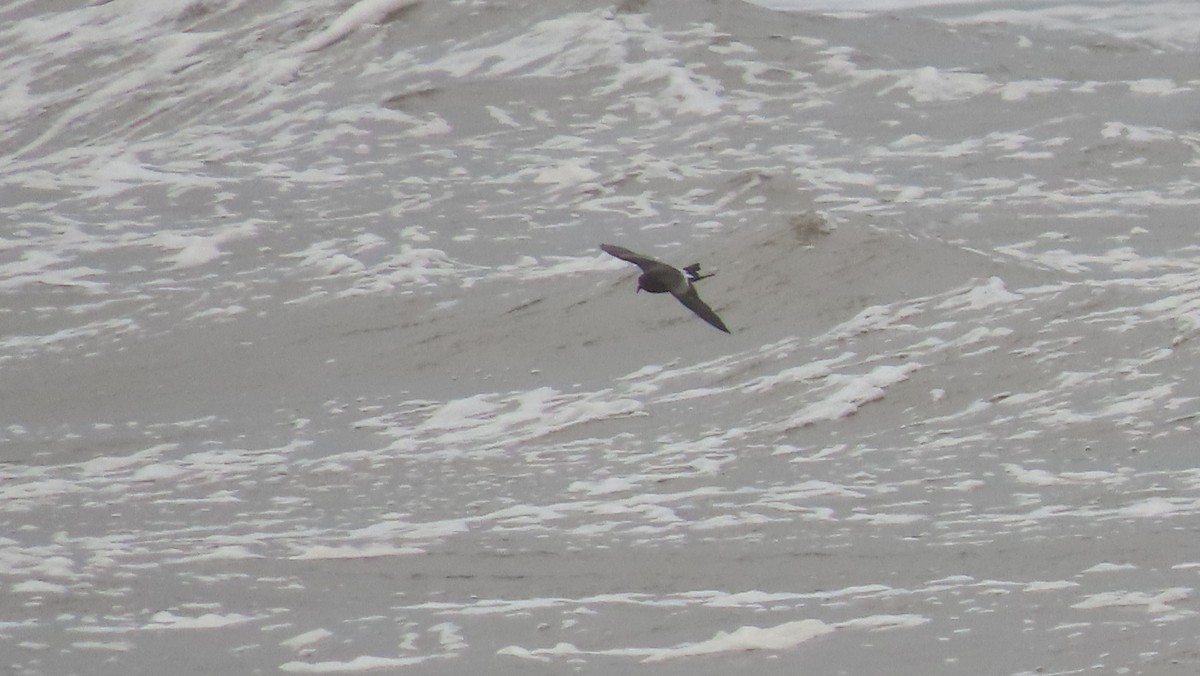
(658, 277)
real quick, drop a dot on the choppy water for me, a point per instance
(310, 362)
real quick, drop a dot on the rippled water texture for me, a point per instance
(310, 362)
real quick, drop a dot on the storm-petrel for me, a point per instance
(658, 277)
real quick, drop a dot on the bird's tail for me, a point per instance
(693, 273)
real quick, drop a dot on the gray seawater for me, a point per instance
(309, 361)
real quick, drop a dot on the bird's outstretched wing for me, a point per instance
(646, 263)
(692, 301)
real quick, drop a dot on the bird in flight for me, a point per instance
(658, 277)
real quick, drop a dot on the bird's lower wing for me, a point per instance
(692, 301)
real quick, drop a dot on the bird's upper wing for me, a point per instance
(646, 263)
(692, 301)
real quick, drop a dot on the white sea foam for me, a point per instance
(779, 637)
(360, 13)
(1168, 22)
(306, 639)
(360, 663)
(165, 619)
(351, 552)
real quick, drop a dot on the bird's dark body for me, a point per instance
(649, 284)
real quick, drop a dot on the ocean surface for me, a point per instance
(310, 361)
